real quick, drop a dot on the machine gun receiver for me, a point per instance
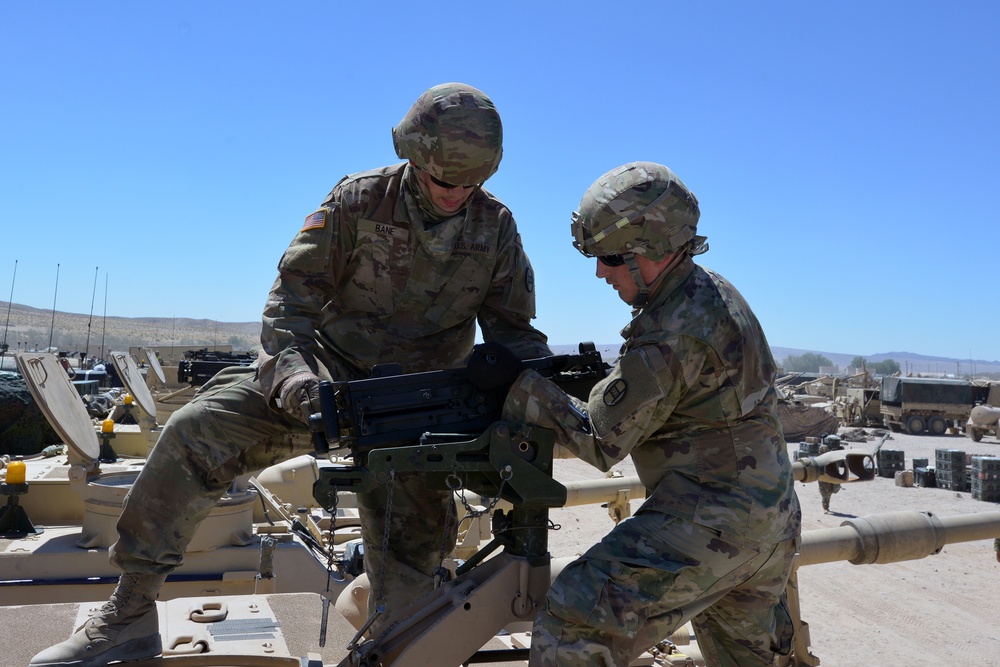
(392, 409)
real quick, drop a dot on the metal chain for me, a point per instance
(328, 594)
(380, 599)
(390, 486)
(332, 509)
(441, 573)
(470, 512)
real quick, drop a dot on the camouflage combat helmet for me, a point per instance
(452, 132)
(640, 208)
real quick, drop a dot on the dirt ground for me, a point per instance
(940, 610)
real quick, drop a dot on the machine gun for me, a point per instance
(440, 424)
(199, 366)
(391, 408)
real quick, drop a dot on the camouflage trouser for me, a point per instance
(650, 575)
(228, 430)
(826, 491)
(422, 531)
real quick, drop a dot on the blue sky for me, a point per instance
(844, 153)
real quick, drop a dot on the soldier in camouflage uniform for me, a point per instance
(692, 400)
(826, 489)
(396, 266)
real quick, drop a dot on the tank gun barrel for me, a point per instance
(894, 536)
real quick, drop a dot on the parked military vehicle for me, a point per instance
(66, 507)
(858, 406)
(938, 406)
(985, 417)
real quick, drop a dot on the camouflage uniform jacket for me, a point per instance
(692, 399)
(367, 282)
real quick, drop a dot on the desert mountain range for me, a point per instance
(31, 328)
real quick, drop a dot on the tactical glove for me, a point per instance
(300, 397)
(492, 366)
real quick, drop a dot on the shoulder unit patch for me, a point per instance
(615, 392)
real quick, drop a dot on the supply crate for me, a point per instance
(955, 456)
(986, 495)
(890, 461)
(809, 448)
(925, 478)
(986, 468)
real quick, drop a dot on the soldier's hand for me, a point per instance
(300, 397)
(493, 366)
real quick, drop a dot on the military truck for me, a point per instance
(934, 405)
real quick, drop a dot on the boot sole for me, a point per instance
(143, 648)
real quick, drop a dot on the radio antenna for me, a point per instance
(55, 293)
(105, 329)
(3, 346)
(93, 294)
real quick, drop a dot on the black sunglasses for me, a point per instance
(611, 260)
(441, 184)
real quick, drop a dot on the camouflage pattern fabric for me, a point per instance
(692, 400)
(229, 430)
(652, 574)
(453, 132)
(226, 431)
(640, 207)
(826, 491)
(364, 282)
(423, 526)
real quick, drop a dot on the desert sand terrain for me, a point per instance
(941, 610)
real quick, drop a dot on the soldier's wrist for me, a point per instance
(291, 385)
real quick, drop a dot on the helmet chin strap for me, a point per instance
(633, 269)
(642, 297)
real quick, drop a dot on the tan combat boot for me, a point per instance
(126, 628)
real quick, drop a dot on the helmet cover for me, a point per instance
(640, 208)
(453, 132)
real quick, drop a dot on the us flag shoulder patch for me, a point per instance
(315, 221)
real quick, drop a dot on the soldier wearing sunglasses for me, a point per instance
(397, 265)
(692, 400)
